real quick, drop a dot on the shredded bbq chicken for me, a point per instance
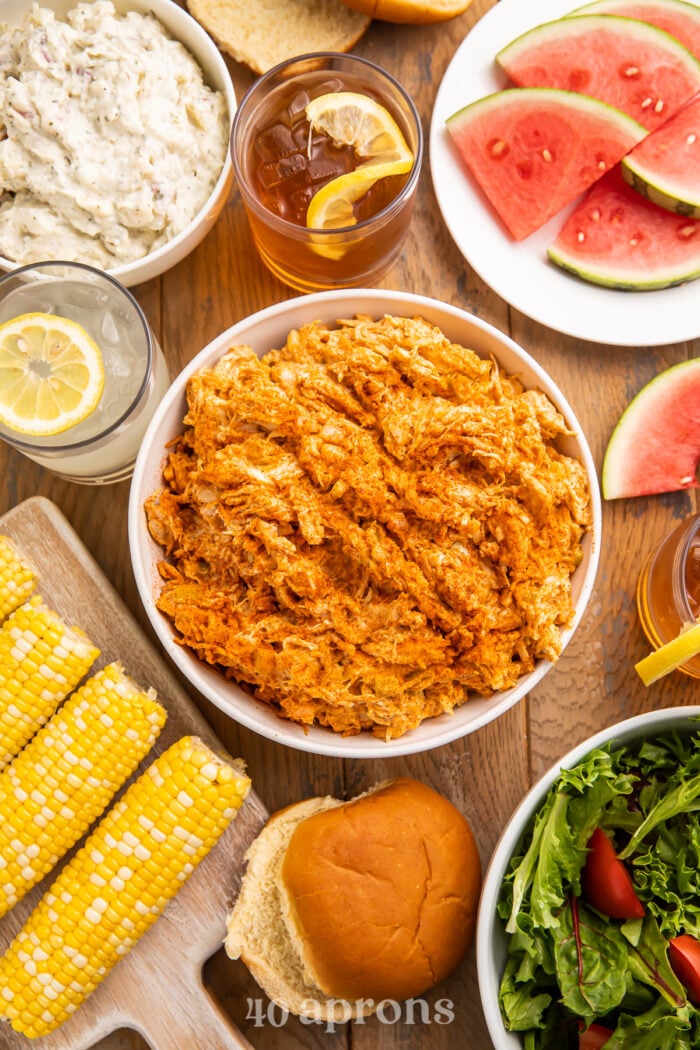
(369, 525)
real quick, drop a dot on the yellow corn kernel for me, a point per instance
(67, 775)
(18, 577)
(41, 661)
(144, 851)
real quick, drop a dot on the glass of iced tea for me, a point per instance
(668, 592)
(57, 321)
(327, 150)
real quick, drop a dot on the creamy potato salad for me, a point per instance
(110, 142)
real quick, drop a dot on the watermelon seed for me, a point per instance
(658, 108)
(646, 103)
(498, 148)
(595, 215)
(578, 80)
(580, 236)
(691, 138)
(631, 71)
(547, 155)
(688, 231)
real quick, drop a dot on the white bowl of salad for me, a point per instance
(588, 933)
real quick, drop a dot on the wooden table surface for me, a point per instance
(592, 686)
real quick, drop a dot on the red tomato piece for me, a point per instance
(684, 956)
(606, 882)
(593, 1037)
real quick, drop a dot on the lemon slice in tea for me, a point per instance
(670, 656)
(51, 374)
(332, 206)
(356, 120)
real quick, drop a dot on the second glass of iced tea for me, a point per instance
(280, 162)
(668, 591)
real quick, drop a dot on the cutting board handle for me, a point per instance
(193, 1021)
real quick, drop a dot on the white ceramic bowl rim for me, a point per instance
(281, 318)
(183, 27)
(490, 936)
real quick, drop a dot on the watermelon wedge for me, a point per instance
(615, 237)
(655, 446)
(665, 166)
(676, 17)
(533, 150)
(633, 66)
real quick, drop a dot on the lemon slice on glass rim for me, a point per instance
(352, 119)
(51, 374)
(670, 656)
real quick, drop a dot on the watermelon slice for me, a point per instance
(616, 237)
(665, 166)
(628, 64)
(655, 446)
(533, 150)
(676, 17)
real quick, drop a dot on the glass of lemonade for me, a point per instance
(281, 161)
(668, 591)
(101, 448)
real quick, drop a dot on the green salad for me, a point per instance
(602, 907)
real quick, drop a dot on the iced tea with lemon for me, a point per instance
(327, 151)
(668, 591)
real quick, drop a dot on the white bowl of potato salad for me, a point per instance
(115, 117)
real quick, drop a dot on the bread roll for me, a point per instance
(417, 12)
(266, 32)
(345, 905)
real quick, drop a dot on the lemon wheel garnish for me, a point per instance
(351, 119)
(51, 374)
(355, 120)
(331, 208)
(670, 656)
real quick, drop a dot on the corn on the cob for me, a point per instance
(67, 775)
(17, 577)
(117, 884)
(41, 661)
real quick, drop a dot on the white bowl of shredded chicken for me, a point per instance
(374, 528)
(115, 118)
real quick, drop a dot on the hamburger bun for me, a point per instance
(417, 12)
(344, 905)
(270, 31)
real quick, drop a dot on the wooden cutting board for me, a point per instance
(157, 988)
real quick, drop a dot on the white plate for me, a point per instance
(520, 272)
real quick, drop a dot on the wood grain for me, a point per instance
(592, 686)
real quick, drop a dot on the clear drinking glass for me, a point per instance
(317, 259)
(668, 591)
(101, 448)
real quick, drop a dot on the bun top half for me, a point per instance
(382, 892)
(418, 12)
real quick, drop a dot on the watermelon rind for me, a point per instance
(665, 166)
(615, 237)
(533, 150)
(677, 17)
(655, 446)
(629, 64)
